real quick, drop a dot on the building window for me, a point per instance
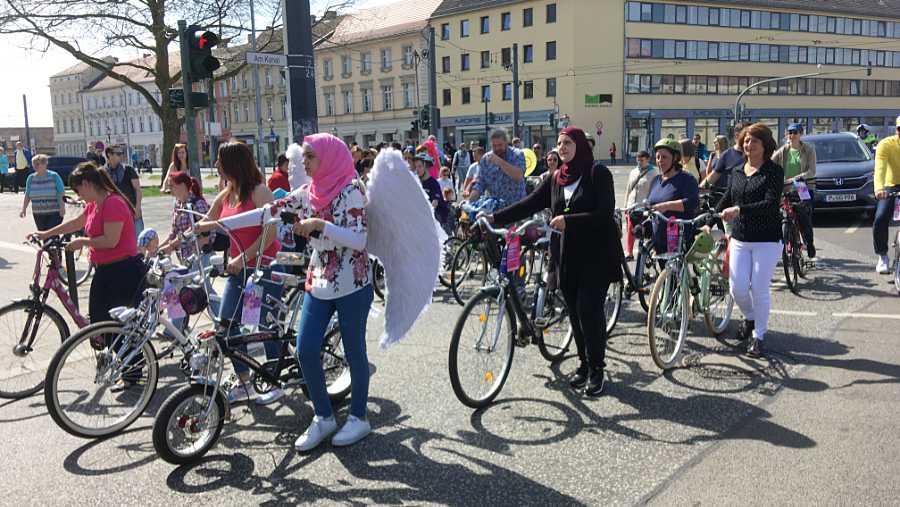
(244, 80)
(386, 62)
(408, 55)
(485, 24)
(284, 107)
(485, 59)
(348, 102)
(551, 50)
(505, 21)
(445, 65)
(329, 104)
(551, 12)
(447, 96)
(527, 17)
(445, 31)
(346, 68)
(365, 63)
(506, 57)
(327, 69)
(268, 75)
(141, 123)
(466, 95)
(527, 53)
(246, 111)
(269, 109)
(507, 91)
(407, 92)
(366, 100)
(464, 61)
(528, 90)
(485, 93)
(464, 28)
(387, 97)
(551, 87)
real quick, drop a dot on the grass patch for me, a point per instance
(154, 191)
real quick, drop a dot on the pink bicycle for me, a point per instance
(30, 328)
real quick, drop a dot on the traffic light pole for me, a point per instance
(301, 69)
(259, 135)
(515, 76)
(213, 140)
(435, 127)
(188, 103)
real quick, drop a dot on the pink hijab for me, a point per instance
(335, 171)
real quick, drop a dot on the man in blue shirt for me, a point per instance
(501, 173)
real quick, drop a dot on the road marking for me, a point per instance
(853, 228)
(867, 316)
(18, 247)
(795, 313)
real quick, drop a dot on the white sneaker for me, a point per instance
(319, 429)
(269, 397)
(241, 392)
(354, 430)
(883, 267)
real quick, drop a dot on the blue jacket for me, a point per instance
(27, 157)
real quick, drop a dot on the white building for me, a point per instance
(68, 116)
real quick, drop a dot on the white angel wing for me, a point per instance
(297, 174)
(406, 238)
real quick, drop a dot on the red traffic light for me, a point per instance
(206, 40)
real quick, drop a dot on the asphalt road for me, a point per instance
(813, 423)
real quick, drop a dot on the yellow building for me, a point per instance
(371, 74)
(645, 70)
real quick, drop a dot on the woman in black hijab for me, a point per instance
(587, 253)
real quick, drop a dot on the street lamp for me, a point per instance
(108, 135)
(272, 140)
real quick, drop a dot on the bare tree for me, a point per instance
(90, 30)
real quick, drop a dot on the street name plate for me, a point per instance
(267, 59)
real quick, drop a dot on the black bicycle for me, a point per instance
(495, 321)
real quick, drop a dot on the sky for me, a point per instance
(30, 74)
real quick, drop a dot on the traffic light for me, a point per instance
(199, 46)
(425, 118)
(491, 118)
(415, 125)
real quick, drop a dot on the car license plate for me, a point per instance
(840, 197)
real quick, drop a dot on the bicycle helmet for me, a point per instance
(703, 245)
(863, 127)
(669, 144)
(796, 127)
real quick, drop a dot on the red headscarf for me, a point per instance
(336, 169)
(571, 171)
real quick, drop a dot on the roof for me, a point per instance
(75, 69)
(136, 74)
(877, 8)
(385, 20)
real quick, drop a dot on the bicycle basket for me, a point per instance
(701, 248)
(193, 299)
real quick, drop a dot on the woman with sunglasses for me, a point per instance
(798, 159)
(108, 223)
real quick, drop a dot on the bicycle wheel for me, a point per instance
(718, 315)
(787, 258)
(335, 365)
(612, 307)
(91, 393)
(183, 432)
(646, 271)
(468, 273)
(667, 319)
(481, 349)
(556, 335)
(799, 257)
(83, 271)
(449, 250)
(29, 336)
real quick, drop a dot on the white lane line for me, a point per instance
(867, 316)
(18, 247)
(794, 313)
(853, 228)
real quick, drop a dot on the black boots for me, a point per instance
(745, 331)
(580, 378)
(589, 379)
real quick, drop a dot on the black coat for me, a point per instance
(590, 249)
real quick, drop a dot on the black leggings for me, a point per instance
(586, 300)
(115, 284)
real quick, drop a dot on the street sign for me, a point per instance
(214, 129)
(266, 59)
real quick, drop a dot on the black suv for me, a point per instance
(844, 171)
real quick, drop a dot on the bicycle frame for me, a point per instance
(40, 292)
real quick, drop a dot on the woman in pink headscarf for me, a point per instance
(332, 215)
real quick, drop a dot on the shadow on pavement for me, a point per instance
(836, 280)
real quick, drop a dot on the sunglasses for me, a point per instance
(792, 132)
(118, 153)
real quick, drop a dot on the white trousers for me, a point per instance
(751, 267)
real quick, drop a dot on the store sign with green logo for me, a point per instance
(599, 100)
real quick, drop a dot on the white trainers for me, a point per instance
(269, 397)
(241, 392)
(319, 429)
(883, 267)
(354, 430)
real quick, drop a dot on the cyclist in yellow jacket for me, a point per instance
(887, 180)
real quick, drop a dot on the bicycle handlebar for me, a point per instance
(699, 219)
(520, 231)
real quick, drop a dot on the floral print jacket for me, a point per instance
(334, 270)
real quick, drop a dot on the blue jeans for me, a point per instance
(353, 312)
(232, 305)
(884, 213)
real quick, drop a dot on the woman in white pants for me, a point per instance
(752, 200)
